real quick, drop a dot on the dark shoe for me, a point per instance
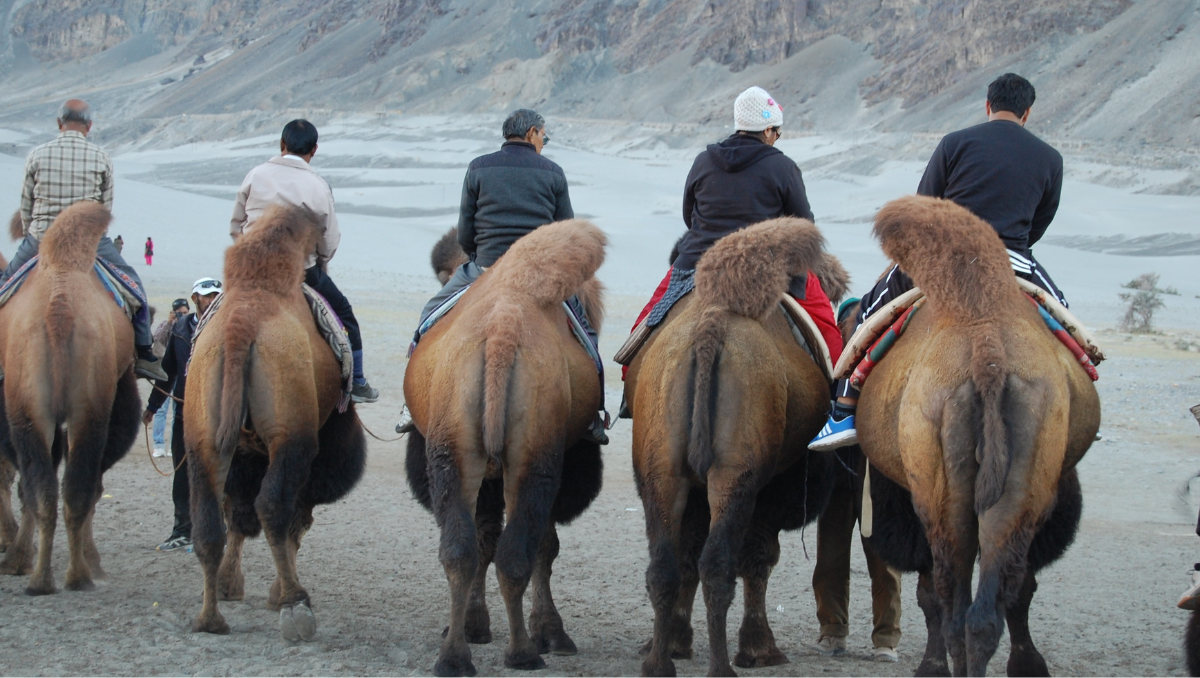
(174, 543)
(148, 368)
(363, 393)
(624, 412)
(596, 433)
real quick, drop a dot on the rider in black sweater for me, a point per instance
(1002, 173)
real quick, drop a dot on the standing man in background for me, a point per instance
(162, 337)
(175, 360)
(287, 179)
(59, 174)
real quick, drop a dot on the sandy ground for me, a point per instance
(370, 561)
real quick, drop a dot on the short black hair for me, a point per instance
(300, 137)
(1010, 92)
(519, 122)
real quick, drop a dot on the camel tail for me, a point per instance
(503, 331)
(240, 332)
(744, 274)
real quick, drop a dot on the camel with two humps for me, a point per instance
(69, 397)
(502, 394)
(266, 440)
(973, 425)
(724, 402)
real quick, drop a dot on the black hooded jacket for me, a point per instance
(734, 184)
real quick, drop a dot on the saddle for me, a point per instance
(875, 336)
(329, 326)
(575, 323)
(804, 329)
(126, 293)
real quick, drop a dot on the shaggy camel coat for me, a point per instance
(501, 387)
(69, 394)
(724, 402)
(978, 411)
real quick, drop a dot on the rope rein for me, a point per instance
(150, 454)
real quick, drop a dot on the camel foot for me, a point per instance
(650, 668)
(454, 666)
(297, 622)
(553, 639)
(213, 623)
(16, 564)
(79, 584)
(236, 590)
(771, 656)
(98, 572)
(1027, 663)
(933, 667)
(676, 652)
(39, 589)
(526, 659)
(725, 670)
(274, 602)
(475, 636)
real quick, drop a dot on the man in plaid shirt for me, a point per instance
(59, 174)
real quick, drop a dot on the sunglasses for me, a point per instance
(210, 285)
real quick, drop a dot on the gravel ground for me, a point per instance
(381, 597)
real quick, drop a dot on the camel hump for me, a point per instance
(955, 257)
(70, 242)
(272, 255)
(746, 272)
(552, 262)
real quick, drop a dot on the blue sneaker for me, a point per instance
(835, 434)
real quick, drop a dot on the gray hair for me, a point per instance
(518, 123)
(79, 114)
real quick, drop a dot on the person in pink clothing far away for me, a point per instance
(149, 252)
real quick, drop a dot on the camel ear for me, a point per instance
(16, 228)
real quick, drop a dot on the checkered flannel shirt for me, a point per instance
(60, 173)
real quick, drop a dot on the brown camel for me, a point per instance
(261, 422)
(69, 393)
(981, 414)
(724, 402)
(501, 394)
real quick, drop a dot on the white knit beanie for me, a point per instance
(755, 111)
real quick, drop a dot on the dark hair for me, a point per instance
(300, 137)
(518, 123)
(75, 111)
(1010, 92)
(179, 303)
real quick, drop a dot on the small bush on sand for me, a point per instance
(1144, 300)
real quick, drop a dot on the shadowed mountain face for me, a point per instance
(908, 65)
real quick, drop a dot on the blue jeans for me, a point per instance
(160, 425)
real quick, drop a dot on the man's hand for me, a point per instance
(148, 417)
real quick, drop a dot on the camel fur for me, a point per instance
(263, 458)
(724, 402)
(501, 394)
(978, 412)
(69, 396)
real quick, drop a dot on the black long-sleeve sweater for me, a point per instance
(1002, 173)
(734, 184)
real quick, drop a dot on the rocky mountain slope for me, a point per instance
(1116, 72)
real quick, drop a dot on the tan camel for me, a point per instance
(500, 388)
(261, 421)
(724, 402)
(980, 413)
(69, 394)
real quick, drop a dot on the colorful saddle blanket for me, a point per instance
(129, 297)
(329, 325)
(576, 327)
(901, 311)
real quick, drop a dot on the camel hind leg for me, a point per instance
(545, 623)
(489, 523)
(665, 502)
(81, 490)
(756, 641)
(8, 520)
(241, 488)
(39, 490)
(206, 474)
(529, 495)
(731, 498)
